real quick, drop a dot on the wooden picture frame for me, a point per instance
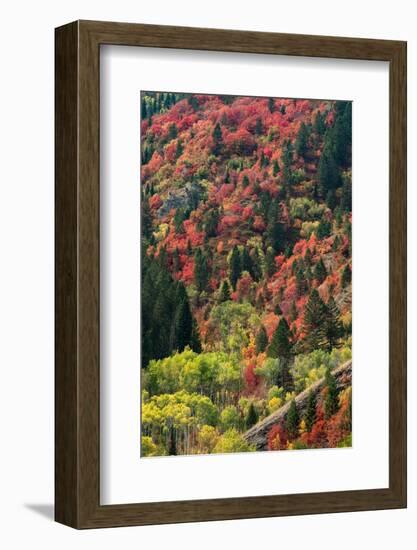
(77, 382)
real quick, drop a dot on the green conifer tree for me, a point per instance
(310, 414)
(224, 291)
(292, 420)
(252, 416)
(261, 341)
(331, 401)
(235, 267)
(314, 323)
(280, 345)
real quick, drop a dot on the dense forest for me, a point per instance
(246, 212)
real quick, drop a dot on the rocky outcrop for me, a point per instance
(258, 434)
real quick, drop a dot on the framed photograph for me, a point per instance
(230, 274)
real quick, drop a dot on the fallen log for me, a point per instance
(258, 434)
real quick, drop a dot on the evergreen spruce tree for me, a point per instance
(324, 229)
(235, 267)
(328, 172)
(256, 265)
(331, 200)
(176, 260)
(195, 342)
(287, 158)
(245, 181)
(246, 261)
(271, 104)
(200, 270)
(319, 124)
(146, 228)
(261, 341)
(300, 281)
(277, 309)
(218, 144)
(301, 142)
(179, 150)
(270, 266)
(275, 233)
(320, 272)
(346, 198)
(275, 168)
(252, 416)
(310, 414)
(172, 131)
(259, 128)
(224, 291)
(331, 401)
(292, 420)
(314, 323)
(182, 326)
(334, 327)
(280, 345)
(346, 276)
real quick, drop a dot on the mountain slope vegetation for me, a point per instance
(246, 270)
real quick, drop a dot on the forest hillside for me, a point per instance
(246, 271)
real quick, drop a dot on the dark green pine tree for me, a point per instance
(200, 270)
(275, 233)
(247, 264)
(270, 266)
(346, 198)
(319, 124)
(172, 131)
(256, 265)
(300, 282)
(320, 272)
(146, 219)
(183, 321)
(259, 128)
(261, 340)
(292, 420)
(287, 159)
(179, 150)
(346, 276)
(280, 345)
(193, 102)
(314, 323)
(271, 104)
(328, 172)
(301, 142)
(307, 257)
(245, 181)
(235, 267)
(218, 144)
(211, 223)
(275, 168)
(334, 327)
(252, 416)
(176, 260)
(277, 309)
(310, 414)
(331, 200)
(195, 342)
(331, 401)
(224, 291)
(324, 229)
